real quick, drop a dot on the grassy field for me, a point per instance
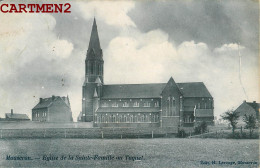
(148, 152)
(41, 125)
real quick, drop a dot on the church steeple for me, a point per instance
(94, 48)
(94, 59)
(94, 66)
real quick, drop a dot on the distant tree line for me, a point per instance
(232, 118)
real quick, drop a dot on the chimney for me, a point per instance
(254, 102)
(12, 111)
(244, 101)
(53, 97)
(40, 100)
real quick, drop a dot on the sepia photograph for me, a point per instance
(152, 83)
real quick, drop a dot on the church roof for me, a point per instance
(194, 89)
(133, 90)
(128, 109)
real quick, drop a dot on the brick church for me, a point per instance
(168, 104)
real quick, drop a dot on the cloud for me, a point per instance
(229, 47)
(28, 46)
(138, 58)
(113, 13)
(150, 57)
(39, 50)
(25, 37)
(212, 22)
(61, 48)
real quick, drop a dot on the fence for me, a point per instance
(239, 133)
(87, 133)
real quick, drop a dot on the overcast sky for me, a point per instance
(143, 42)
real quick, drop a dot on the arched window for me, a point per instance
(92, 68)
(125, 104)
(156, 104)
(142, 118)
(98, 69)
(104, 104)
(131, 118)
(156, 118)
(108, 118)
(136, 104)
(103, 119)
(168, 109)
(87, 68)
(153, 119)
(120, 118)
(173, 106)
(115, 104)
(135, 118)
(192, 118)
(146, 104)
(113, 118)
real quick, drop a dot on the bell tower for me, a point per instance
(94, 61)
(94, 66)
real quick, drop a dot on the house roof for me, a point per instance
(248, 108)
(17, 116)
(194, 89)
(127, 110)
(254, 105)
(46, 102)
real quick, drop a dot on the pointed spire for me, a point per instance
(98, 81)
(94, 43)
(95, 93)
(68, 99)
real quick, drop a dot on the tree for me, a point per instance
(232, 117)
(201, 128)
(250, 123)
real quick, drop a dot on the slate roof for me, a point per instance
(255, 106)
(17, 116)
(133, 90)
(127, 109)
(194, 89)
(248, 108)
(46, 102)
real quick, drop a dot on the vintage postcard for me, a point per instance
(129, 83)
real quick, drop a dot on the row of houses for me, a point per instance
(51, 109)
(57, 109)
